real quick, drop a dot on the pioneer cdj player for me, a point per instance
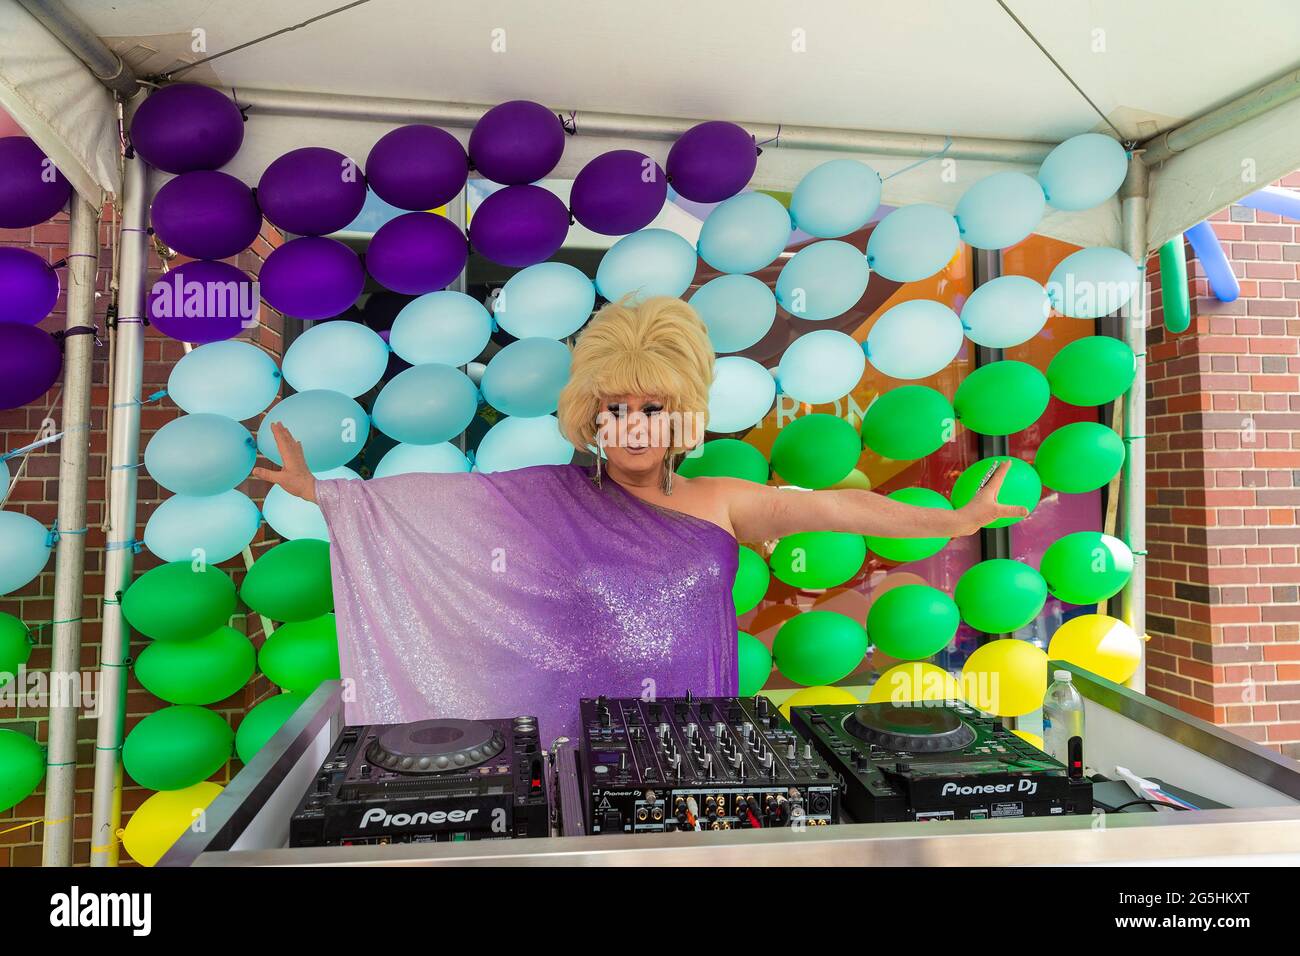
(937, 760)
(712, 763)
(433, 780)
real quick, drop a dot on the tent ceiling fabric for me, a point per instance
(941, 67)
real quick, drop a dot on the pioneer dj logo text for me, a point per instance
(1024, 785)
(423, 817)
(76, 909)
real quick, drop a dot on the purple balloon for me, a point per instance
(31, 188)
(417, 253)
(618, 192)
(312, 278)
(184, 127)
(312, 191)
(206, 215)
(30, 361)
(203, 301)
(417, 167)
(712, 162)
(519, 226)
(516, 142)
(29, 288)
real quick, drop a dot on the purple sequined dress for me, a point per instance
(518, 592)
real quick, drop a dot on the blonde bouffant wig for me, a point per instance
(659, 347)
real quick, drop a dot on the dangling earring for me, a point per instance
(600, 453)
(668, 473)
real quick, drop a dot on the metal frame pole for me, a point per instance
(70, 556)
(1133, 488)
(119, 550)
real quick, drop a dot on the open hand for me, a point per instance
(984, 508)
(294, 477)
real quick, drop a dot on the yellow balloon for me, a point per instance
(854, 479)
(1006, 678)
(811, 696)
(1034, 739)
(1098, 643)
(163, 819)
(913, 681)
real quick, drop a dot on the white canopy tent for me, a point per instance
(1207, 92)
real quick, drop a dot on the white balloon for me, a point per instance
(821, 366)
(404, 459)
(292, 517)
(1005, 312)
(914, 339)
(741, 394)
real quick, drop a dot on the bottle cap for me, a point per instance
(1063, 675)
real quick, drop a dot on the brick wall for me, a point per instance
(36, 493)
(1224, 490)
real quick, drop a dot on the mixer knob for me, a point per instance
(790, 752)
(760, 705)
(622, 761)
(706, 709)
(719, 729)
(692, 730)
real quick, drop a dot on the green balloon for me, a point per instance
(1086, 567)
(1000, 596)
(175, 602)
(177, 747)
(818, 559)
(1022, 487)
(726, 458)
(15, 647)
(261, 723)
(816, 451)
(298, 656)
(819, 647)
(202, 671)
(752, 579)
(912, 622)
(1001, 398)
(755, 664)
(1079, 457)
(1092, 371)
(903, 550)
(291, 582)
(22, 765)
(908, 422)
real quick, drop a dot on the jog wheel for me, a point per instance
(919, 727)
(434, 746)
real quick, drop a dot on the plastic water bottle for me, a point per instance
(1062, 717)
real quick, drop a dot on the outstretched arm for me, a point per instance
(294, 477)
(762, 512)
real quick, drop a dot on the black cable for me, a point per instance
(1060, 69)
(172, 74)
(1134, 803)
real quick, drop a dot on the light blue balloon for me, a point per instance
(331, 427)
(347, 357)
(738, 311)
(231, 378)
(913, 242)
(741, 394)
(292, 518)
(525, 377)
(1005, 312)
(5, 478)
(1083, 172)
(914, 339)
(441, 328)
(821, 366)
(1000, 210)
(550, 299)
(836, 198)
(24, 550)
(516, 442)
(822, 280)
(646, 263)
(214, 528)
(744, 233)
(201, 454)
(1093, 282)
(403, 459)
(426, 404)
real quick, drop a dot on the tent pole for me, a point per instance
(119, 551)
(82, 42)
(70, 556)
(378, 109)
(1133, 488)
